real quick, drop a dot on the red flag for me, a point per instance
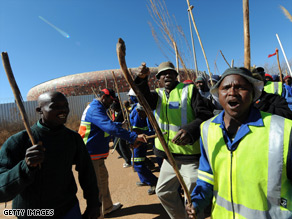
(273, 54)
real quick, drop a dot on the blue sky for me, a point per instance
(39, 53)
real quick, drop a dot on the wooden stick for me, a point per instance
(121, 52)
(105, 80)
(17, 95)
(176, 58)
(225, 59)
(280, 70)
(215, 65)
(246, 33)
(232, 63)
(284, 54)
(154, 136)
(115, 146)
(195, 26)
(119, 96)
(94, 92)
(193, 44)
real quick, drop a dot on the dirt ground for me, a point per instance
(137, 204)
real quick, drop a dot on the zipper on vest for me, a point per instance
(232, 205)
(167, 122)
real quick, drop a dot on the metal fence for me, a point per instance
(9, 113)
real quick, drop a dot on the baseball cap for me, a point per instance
(270, 76)
(110, 92)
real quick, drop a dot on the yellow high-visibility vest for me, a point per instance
(172, 113)
(274, 87)
(250, 182)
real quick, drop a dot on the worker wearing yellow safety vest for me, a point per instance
(179, 111)
(274, 87)
(246, 162)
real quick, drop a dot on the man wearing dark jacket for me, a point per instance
(179, 111)
(271, 103)
(39, 177)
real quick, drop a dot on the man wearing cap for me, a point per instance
(288, 84)
(246, 162)
(214, 79)
(270, 85)
(202, 86)
(217, 107)
(288, 80)
(274, 87)
(179, 111)
(95, 129)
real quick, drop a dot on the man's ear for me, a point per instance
(102, 97)
(39, 110)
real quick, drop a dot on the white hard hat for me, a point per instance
(131, 93)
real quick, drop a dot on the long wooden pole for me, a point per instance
(176, 59)
(279, 66)
(225, 59)
(121, 53)
(246, 33)
(199, 38)
(124, 111)
(119, 96)
(105, 80)
(193, 44)
(17, 95)
(284, 54)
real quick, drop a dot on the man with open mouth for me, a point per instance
(246, 162)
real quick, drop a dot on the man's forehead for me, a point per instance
(168, 71)
(235, 77)
(51, 97)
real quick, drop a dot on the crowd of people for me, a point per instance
(229, 135)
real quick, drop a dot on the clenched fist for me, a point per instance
(143, 71)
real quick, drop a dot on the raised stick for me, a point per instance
(105, 80)
(199, 38)
(17, 95)
(119, 96)
(94, 92)
(246, 33)
(280, 70)
(193, 44)
(284, 54)
(225, 59)
(176, 58)
(121, 52)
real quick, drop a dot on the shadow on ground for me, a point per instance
(140, 209)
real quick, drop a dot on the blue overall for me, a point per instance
(145, 175)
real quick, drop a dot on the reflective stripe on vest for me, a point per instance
(258, 191)
(274, 87)
(84, 130)
(98, 156)
(138, 159)
(173, 113)
(141, 128)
